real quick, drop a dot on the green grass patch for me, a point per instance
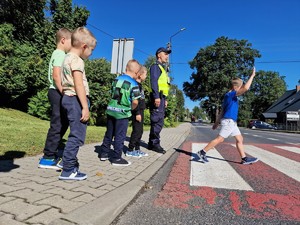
(21, 132)
(25, 135)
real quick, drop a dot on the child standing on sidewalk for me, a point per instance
(228, 118)
(58, 119)
(75, 100)
(138, 119)
(124, 98)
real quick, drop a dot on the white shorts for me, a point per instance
(229, 128)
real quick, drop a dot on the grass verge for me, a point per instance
(24, 135)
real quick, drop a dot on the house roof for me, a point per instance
(289, 101)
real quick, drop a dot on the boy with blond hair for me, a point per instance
(58, 118)
(138, 119)
(124, 98)
(228, 119)
(75, 99)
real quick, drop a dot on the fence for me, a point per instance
(288, 126)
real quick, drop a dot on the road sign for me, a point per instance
(122, 52)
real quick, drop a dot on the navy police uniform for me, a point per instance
(160, 83)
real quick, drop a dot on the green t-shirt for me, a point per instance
(57, 59)
(124, 90)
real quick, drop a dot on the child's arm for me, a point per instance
(134, 104)
(81, 94)
(246, 86)
(57, 78)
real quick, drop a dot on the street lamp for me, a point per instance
(170, 42)
(169, 46)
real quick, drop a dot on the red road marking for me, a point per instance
(282, 199)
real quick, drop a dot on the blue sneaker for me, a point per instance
(133, 153)
(142, 154)
(60, 163)
(48, 164)
(202, 157)
(73, 174)
(248, 160)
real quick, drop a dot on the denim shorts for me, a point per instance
(229, 128)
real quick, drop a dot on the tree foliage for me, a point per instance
(266, 88)
(27, 33)
(216, 65)
(100, 81)
(20, 69)
(214, 68)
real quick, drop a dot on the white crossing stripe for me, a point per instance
(217, 173)
(290, 143)
(273, 139)
(287, 166)
(289, 148)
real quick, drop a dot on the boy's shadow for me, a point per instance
(196, 158)
(7, 160)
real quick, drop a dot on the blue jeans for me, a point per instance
(77, 131)
(58, 124)
(117, 129)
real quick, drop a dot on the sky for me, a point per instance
(271, 26)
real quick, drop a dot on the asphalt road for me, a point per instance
(267, 192)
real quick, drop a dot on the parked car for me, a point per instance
(253, 124)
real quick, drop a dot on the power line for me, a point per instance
(116, 38)
(276, 61)
(262, 62)
(101, 30)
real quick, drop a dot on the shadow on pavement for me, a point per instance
(7, 160)
(196, 158)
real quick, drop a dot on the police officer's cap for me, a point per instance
(162, 49)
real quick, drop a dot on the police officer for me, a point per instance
(160, 84)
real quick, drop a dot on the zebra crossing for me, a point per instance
(222, 173)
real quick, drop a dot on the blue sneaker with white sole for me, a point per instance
(142, 154)
(202, 157)
(133, 153)
(48, 164)
(73, 174)
(249, 160)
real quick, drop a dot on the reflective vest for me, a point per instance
(163, 81)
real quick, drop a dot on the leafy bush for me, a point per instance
(39, 105)
(147, 117)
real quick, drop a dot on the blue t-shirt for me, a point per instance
(230, 106)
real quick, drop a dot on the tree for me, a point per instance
(26, 45)
(100, 80)
(216, 65)
(25, 16)
(146, 84)
(266, 88)
(20, 70)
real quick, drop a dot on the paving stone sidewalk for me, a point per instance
(29, 195)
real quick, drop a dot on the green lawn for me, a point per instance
(22, 133)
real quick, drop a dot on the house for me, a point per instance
(286, 110)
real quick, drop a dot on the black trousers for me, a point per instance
(137, 132)
(58, 124)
